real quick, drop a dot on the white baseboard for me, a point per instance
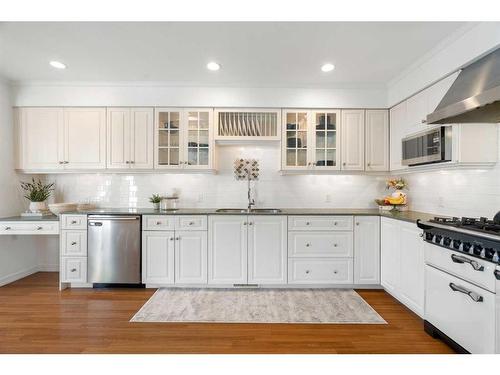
(48, 268)
(18, 275)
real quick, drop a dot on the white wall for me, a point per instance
(151, 94)
(222, 190)
(453, 53)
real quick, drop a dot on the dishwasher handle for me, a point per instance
(111, 217)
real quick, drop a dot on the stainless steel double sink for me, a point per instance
(249, 211)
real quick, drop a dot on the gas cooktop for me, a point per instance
(481, 224)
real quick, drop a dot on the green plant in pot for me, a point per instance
(37, 193)
(156, 199)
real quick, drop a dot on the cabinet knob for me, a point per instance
(308, 244)
(39, 228)
(335, 272)
(127, 162)
(357, 223)
(335, 245)
(8, 228)
(245, 223)
(307, 271)
(334, 223)
(73, 270)
(66, 162)
(177, 238)
(191, 223)
(171, 238)
(250, 223)
(158, 223)
(308, 223)
(73, 243)
(132, 162)
(61, 162)
(73, 221)
(424, 121)
(369, 164)
(343, 163)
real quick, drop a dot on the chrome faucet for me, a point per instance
(251, 202)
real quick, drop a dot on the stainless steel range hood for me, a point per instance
(474, 96)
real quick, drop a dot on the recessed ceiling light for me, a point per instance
(213, 66)
(57, 64)
(327, 67)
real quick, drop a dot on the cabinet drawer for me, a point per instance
(74, 221)
(320, 244)
(468, 321)
(191, 222)
(320, 222)
(33, 227)
(478, 272)
(74, 270)
(74, 243)
(158, 222)
(320, 271)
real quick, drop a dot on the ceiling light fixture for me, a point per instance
(327, 67)
(57, 64)
(213, 66)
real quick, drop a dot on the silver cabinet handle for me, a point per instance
(177, 238)
(73, 270)
(171, 238)
(307, 271)
(357, 224)
(66, 162)
(250, 223)
(127, 162)
(462, 259)
(158, 223)
(474, 296)
(39, 228)
(61, 162)
(335, 245)
(335, 272)
(335, 223)
(73, 243)
(308, 244)
(308, 223)
(8, 228)
(191, 223)
(132, 162)
(245, 223)
(369, 164)
(343, 163)
(73, 221)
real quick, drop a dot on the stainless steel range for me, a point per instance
(462, 282)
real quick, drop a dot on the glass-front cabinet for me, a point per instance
(310, 140)
(183, 138)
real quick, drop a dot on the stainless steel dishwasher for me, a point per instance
(114, 249)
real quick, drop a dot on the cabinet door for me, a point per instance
(267, 250)
(198, 139)
(367, 250)
(227, 249)
(295, 153)
(411, 283)
(377, 140)
(191, 257)
(168, 138)
(118, 138)
(85, 138)
(41, 138)
(158, 257)
(325, 140)
(416, 113)
(141, 138)
(353, 140)
(389, 255)
(397, 126)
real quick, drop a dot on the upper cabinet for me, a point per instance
(57, 138)
(295, 146)
(397, 133)
(353, 140)
(377, 140)
(183, 138)
(130, 138)
(325, 139)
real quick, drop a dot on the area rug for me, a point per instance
(323, 306)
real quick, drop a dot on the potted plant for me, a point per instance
(156, 199)
(37, 193)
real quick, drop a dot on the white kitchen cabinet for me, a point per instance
(158, 257)
(267, 249)
(325, 140)
(402, 262)
(353, 140)
(184, 138)
(416, 113)
(85, 138)
(130, 138)
(367, 250)
(40, 138)
(190, 257)
(296, 153)
(227, 249)
(377, 140)
(397, 133)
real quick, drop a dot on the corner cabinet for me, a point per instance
(183, 138)
(310, 140)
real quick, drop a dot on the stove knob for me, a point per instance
(447, 241)
(477, 249)
(466, 247)
(428, 236)
(437, 238)
(488, 253)
(456, 244)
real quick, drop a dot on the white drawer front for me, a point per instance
(74, 243)
(471, 324)
(320, 222)
(320, 271)
(458, 264)
(184, 222)
(320, 244)
(74, 221)
(74, 270)
(158, 222)
(33, 227)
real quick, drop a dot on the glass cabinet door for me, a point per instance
(325, 130)
(198, 139)
(295, 147)
(168, 138)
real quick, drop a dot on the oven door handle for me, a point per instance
(474, 296)
(473, 263)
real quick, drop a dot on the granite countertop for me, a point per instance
(410, 216)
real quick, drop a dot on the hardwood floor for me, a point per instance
(36, 318)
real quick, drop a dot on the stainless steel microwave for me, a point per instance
(430, 146)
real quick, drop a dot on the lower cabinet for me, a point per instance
(158, 257)
(402, 262)
(247, 249)
(191, 257)
(367, 250)
(319, 271)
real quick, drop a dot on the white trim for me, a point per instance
(18, 275)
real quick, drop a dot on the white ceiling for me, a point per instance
(251, 54)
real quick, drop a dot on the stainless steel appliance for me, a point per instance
(474, 97)
(114, 249)
(462, 282)
(430, 146)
